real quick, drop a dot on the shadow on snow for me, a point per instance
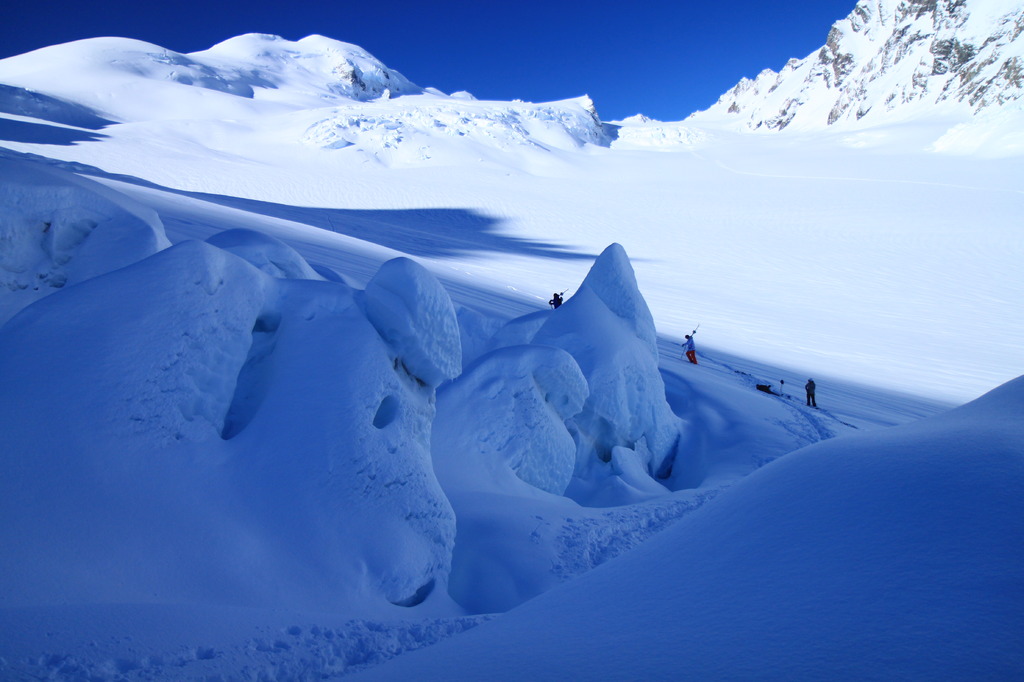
(426, 232)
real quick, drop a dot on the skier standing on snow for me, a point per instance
(811, 402)
(691, 352)
(556, 300)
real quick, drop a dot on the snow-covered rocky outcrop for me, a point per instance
(891, 58)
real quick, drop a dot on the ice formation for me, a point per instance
(509, 410)
(304, 447)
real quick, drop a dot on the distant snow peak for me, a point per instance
(637, 119)
(131, 80)
(887, 57)
(339, 68)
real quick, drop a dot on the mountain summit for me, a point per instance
(891, 57)
(132, 80)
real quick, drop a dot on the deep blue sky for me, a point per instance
(664, 58)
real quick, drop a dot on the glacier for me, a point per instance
(280, 397)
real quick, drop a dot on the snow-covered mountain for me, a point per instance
(332, 94)
(118, 77)
(892, 60)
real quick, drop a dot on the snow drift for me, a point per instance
(57, 229)
(881, 556)
(189, 428)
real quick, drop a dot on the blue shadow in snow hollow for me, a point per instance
(427, 232)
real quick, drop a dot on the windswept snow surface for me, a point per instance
(281, 398)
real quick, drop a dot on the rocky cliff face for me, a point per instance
(892, 59)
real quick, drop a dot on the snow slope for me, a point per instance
(885, 556)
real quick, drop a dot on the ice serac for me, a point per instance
(892, 58)
(443, 129)
(57, 228)
(415, 316)
(508, 410)
(608, 328)
(341, 441)
(218, 431)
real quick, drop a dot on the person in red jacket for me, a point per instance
(691, 352)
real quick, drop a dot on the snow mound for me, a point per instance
(607, 327)
(159, 364)
(266, 253)
(519, 331)
(626, 425)
(856, 558)
(415, 316)
(58, 229)
(226, 437)
(509, 409)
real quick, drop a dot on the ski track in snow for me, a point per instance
(300, 652)
(809, 424)
(586, 543)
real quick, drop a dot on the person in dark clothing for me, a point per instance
(811, 402)
(556, 300)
